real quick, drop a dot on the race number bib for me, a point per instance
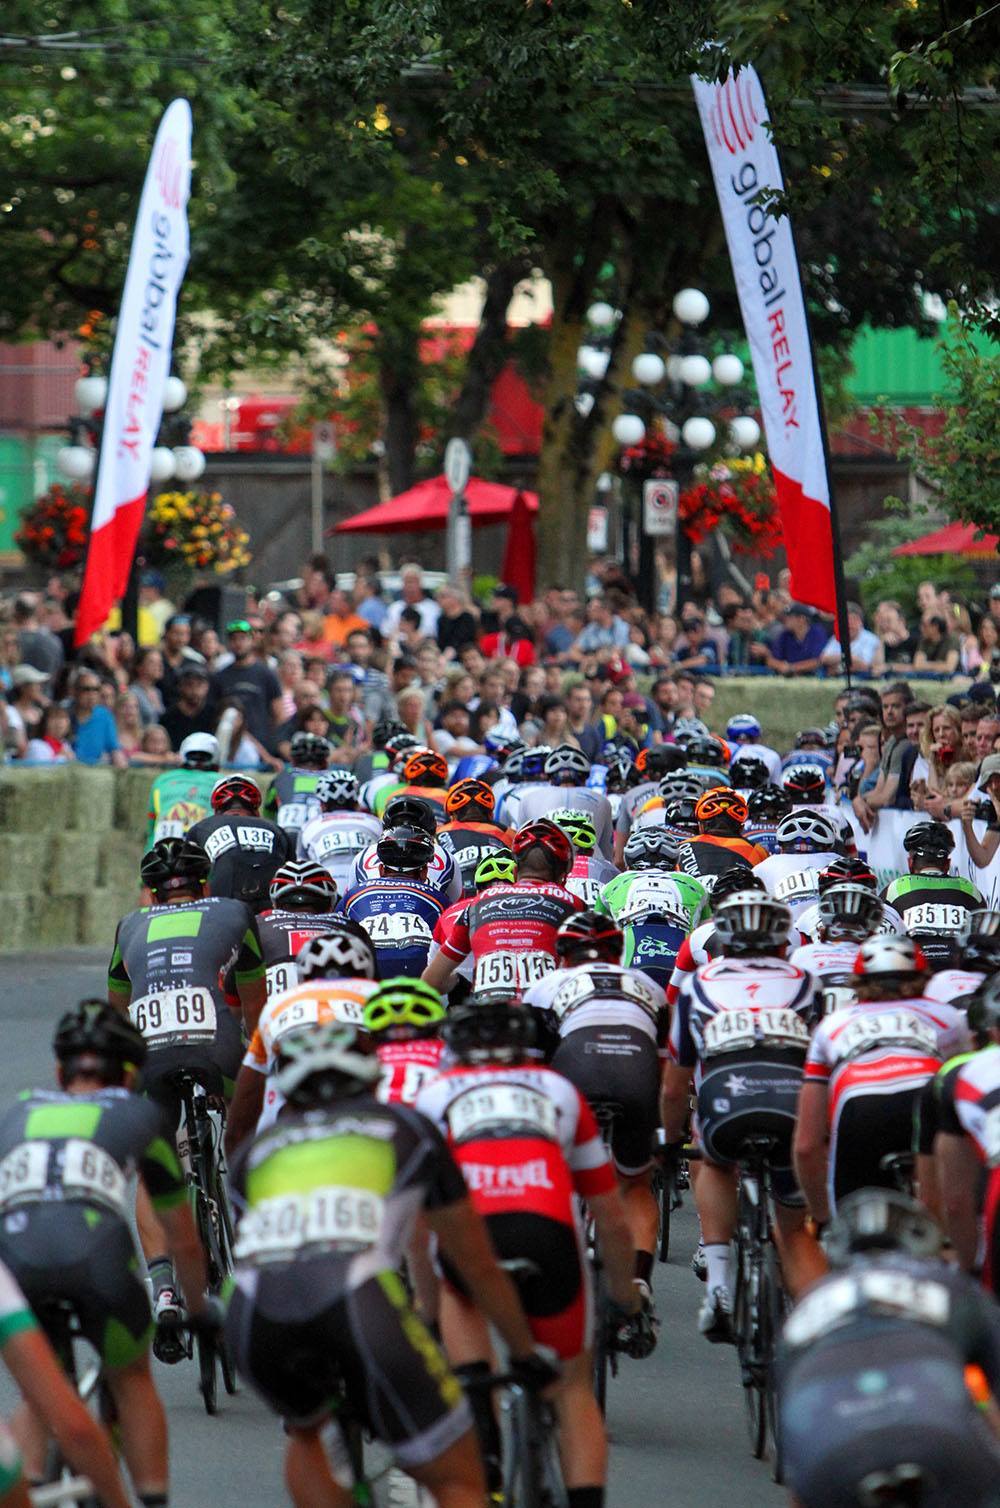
(293, 814)
(24, 1172)
(652, 893)
(337, 844)
(729, 1030)
(512, 971)
(588, 890)
(480, 1111)
(887, 1029)
(301, 1013)
(88, 1172)
(934, 917)
(836, 1303)
(168, 827)
(396, 929)
(170, 1017)
(281, 977)
(331, 1216)
(587, 986)
(799, 886)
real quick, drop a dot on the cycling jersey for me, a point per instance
(468, 842)
(632, 802)
(314, 1003)
(407, 1066)
(529, 803)
(762, 835)
(334, 839)
(291, 800)
(177, 800)
(588, 876)
(399, 916)
(656, 909)
(933, 908)
(699, 946)
(245, 852)
(442, 872)
(808, 921)
(831, 962)
(969, 1105)
(433, 795)
(510, 931)
(794, 878)
(951, 984)
(282, 936)
(710, 854)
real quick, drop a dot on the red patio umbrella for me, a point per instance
(953, 539)
(425, 507)
(518, 569)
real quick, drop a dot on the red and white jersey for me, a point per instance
(590, 873)
(510, 931)
(697, 948)
(831, 962)
(948, 984)
(525, 1138)
(881, 1046)
(600, 994)
(407, 1067)
(763, 998)
(334, 839)
(974, 1094)
(794, 877)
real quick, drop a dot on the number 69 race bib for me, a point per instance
(171, 1017)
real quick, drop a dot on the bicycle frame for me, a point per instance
(757, 1297)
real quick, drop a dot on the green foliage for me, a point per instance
(882, 576)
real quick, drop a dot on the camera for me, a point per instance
(983, 811)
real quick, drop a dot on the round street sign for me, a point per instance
(457, 465)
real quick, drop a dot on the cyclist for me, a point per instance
(611, 1025)
(720, 815)
(410, 811)
(654, 905)
(847, 871)
(708, 756)
(510, 929)
(66, 1156)
(336, 973)
(675, 791)
(765, 808)
(748, 773)
(932, 902)
(589, 872)
(740, 1033)
(564, 768)
(975, 955)
(398, 746)
(302, 897)
(807, 842)
(805, 785)
(702, 942)
(744, 733)
(848, 915)
(399, 910)
(243, 847)
(424, 777)
(527, 1143)
(330, 1195)
(339, 830)
(404, 1017)
(180, 798)
(651, 765)
(873, 1367)
(469, 833)
(292, 798)
(499, 867)
(867, 1064)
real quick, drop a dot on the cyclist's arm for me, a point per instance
(119, 984)
(439, 972)
(33, 1366)
(958, 1177)
(250, 976)
(675, 1091)
(463, 1239)
(617, 1248)
(809, 1147)
(247, 1103)
(162, 1179)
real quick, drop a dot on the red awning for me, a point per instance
(953, 539)
(425, 507)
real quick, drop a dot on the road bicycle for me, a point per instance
(670, 1178)
(607, 1113)
(758, 1295)
(532, 1473)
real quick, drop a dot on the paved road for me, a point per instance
(676, 1421)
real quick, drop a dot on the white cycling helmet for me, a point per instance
(566, 761)
(200, 751)
(888, 954)
(743, 725)
(806, 832)
(337, 789)
(338, 954)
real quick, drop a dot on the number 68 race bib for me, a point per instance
(170, 1017)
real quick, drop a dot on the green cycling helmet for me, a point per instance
(578, 827)
(403, 1002)
(494, 868)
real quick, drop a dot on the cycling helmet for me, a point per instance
(849, 872)
(984, 1008)
(769, 804)
(578, 827)
(804, 782)
(550, 839)
(873, 1220)
(303, 886)
(404, 1002)
(469, 793)
(812, 738)
(235, 790)
(681, 787)
(533, 763)
(513, 766)
(738, 877)
(495, 868)
(721, 802)
(175, 864)
(410, 811)
(309, 751)
(849, 911)
(345, 952)
(929, 840)
(749, 772)
(806, 832)
(323, 1064)
(679, 813)
(889, 955)
(980, 923)
(489, 1028)
(424, 767)
(200, 751)
(398, 746)
(750, 921)
(566, 765)
(980, 951)
(501, 744)
(659, 760)
(587, 937)
(405, 850)
(651, 848)
(93, 1028)
(705, 748)
(622, 773)
(337, 790)
(387, 728)
(743, 729)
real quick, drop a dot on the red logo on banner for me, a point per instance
(734, 114)
(168, 174)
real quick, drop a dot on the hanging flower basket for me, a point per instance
(738, 496)
(53, 532)
(195, 532)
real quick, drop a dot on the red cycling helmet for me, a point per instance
(587, 937)
(543, 834)
(425, 767)
(235, 790)
(466, 793)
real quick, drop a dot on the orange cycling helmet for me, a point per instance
(424, 765)
(466, 793)
(721, 802)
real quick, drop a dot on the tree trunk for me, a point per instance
(489, 349)
(398, 374)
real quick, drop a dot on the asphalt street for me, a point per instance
(676, 1421)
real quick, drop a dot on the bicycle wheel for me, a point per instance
(602, 1358)
(663, 1187)
(745, 1305)
(775, 1319)
(207, 1377)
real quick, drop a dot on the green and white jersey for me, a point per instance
(177, 800)
(15, 1311)
(933, 908)
(656, 909)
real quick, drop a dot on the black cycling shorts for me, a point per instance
(367, 1345)
(873, 1399)
(745, 1094)
(87, 1259)
(214, 1065)
(868, 1127)
(617, 1065)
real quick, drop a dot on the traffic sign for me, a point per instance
(659, 506)
(457, 465)
(324, 442)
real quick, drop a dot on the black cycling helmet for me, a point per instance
(844, 871)
(929, 840)
(405, 850)
(749, 773)
(175, 864)
(805, 783)
(324, 1064)
(588, 937)
(652, 848)
(309, 751)
(622, 774)
(94, 1029)
(386, 728)
(660, 759)
(490, 1028)
(750, 921)
(740, 877)
(409, 811)
(873, 1220)
(981, 951)
(768, 804)
(704, 748)
(679, 812)
(984, 1007)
